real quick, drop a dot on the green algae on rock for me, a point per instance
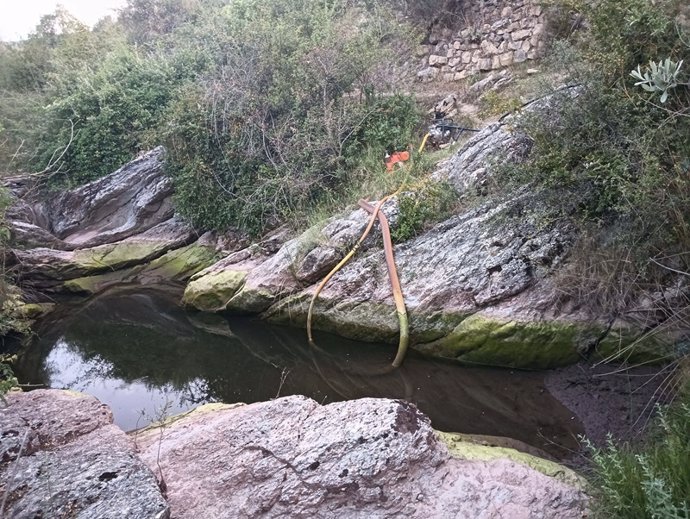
(466, 447)
(513, 344)
(175, 265)
(212, 291)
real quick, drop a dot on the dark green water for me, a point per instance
(143, 355)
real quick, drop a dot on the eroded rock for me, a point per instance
(129, 201)
(251, 280)
(48, 268)
(292, 457)
(107, 231)
(61, 457)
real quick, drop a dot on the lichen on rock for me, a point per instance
(62, 457)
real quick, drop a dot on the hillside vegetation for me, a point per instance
(266, 108)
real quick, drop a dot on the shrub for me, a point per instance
(606, 158)
(277, 124)
(426, 205)
(106, 112)
(625, 33)
(651, 481)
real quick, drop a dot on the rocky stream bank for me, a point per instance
(480, 287)
(62, 457)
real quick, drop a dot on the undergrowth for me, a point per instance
(651, 481)
(612, 160)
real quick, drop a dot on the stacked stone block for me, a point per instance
(494, 34)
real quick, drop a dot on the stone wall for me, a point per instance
(492, 34)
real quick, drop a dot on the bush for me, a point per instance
(625, 33)
(426, 205)
(610, 158)
(108, 111)
(652, 481)
(253, 148)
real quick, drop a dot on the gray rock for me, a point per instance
(73, 462)
(368, 458)
(104, 229)
(298, 263)
(470, 262)
(47, 419)
(48, 268)
(130, 201)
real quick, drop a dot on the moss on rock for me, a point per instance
(34, 310)
(534, 345)
(180, 264)
(118, 255)
(250, 301)
(174, 265)
(623, 344)
(370, 322)
(464, 447)
(212, 292)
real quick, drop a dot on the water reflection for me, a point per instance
(140, 353)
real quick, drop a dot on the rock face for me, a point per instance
(61, 457)
(132, 200)
(108, 226)
(477, 286)
(365, 458)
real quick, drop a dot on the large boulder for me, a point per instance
(62, 457)
(365, 458)
(105, 232)
(129, 201)
(250, 282)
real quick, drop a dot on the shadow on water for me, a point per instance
(139, 352)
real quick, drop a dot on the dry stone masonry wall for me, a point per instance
(494, 34)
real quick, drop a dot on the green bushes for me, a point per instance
(265, 107)
(429, 204)
(107, 112)
(612, 159)
(617, 36)
(652, 481)
(277, 125)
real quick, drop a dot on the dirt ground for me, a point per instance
(611, 399)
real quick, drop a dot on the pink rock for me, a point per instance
(292, 457)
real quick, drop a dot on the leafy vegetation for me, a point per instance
(265, 107)
(649, 482)
(428, 203)
(11, 319)
(614, 160)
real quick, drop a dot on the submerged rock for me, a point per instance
(292, 457)
(61, 457)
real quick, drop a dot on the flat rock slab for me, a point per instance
(61, 457)
(45, 268)
(367, 458)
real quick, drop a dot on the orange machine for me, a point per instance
(397, 157)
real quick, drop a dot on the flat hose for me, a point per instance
(395, 282)
(340, 265)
